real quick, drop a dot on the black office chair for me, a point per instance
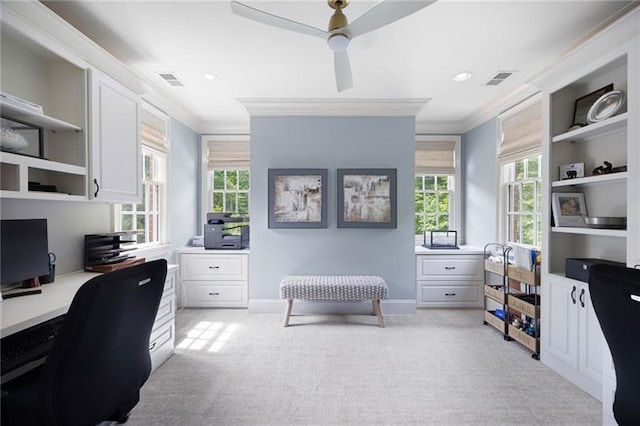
(100, 358)
(615, 295)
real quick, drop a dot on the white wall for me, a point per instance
(332, 143)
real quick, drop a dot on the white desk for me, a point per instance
(22, 312)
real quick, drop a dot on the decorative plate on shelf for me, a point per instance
(606, 106)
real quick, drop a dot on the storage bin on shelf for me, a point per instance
(523, 307)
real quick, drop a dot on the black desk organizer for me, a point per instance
(106, 252)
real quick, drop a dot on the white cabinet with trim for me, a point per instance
(115, 141)
(571, 340)
(573, 343)
(449, 278)
(163, 334)
(214, 278)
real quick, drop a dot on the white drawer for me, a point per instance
(169, 284)
(215, 295)
(162, 336)
(216, 267)
(166, 310)
(449, 267)
(468, 295)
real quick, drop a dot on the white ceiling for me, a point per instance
(415, 57)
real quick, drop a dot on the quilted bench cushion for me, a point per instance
(334, 287)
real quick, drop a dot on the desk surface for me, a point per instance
(23, 312)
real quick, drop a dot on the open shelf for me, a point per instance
(591, 180)
(611, 125)
(35, 118)
(590, 231)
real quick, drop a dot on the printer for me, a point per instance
(222, 231)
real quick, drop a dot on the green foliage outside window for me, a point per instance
(524, 198)
(433, 203)
(230, 192)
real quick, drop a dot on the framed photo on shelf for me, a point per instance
(367, 198)
(584, 103)
(297, 198)
(568, 208)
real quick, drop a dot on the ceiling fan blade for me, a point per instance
(275, 21)
(344, 80)
(385, 13)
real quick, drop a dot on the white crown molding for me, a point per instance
(425, 127)
(225, 127)
(333, 107)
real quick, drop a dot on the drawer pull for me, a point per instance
(214, 294)
(152, 346)
(214, 267)
(449, 294)
(449, 268)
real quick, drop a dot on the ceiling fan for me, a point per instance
(340, 32)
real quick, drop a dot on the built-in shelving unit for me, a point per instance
(34, 73)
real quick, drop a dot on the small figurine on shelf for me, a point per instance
(608, 168)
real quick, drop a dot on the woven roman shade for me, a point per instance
(228, 154)
(154, 137)
(521, 134)
(435, 157)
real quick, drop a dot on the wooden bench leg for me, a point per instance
(288, 312)
(377, 310)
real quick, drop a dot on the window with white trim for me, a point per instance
(436, 184)
(521, 178)
(226, 175)
(148, 219)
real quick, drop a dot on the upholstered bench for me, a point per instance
(334, 288)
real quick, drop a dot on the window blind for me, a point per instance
(154, 137)
(435, 157)
(521, 134)
(228, 154)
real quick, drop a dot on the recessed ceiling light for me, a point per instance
(209, 76)
(462, 76)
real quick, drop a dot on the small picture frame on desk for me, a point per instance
(569, 209)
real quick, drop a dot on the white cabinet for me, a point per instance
(214, 278)
(115, 141)
(572, 340)
(449, 280)
(34, 73)
(163, 334)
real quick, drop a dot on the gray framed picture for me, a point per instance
(367, 198)
(297, 198)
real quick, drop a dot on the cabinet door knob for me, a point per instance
(214, 294)
(449, 268)
(214, 267)
(95, 194)
(582, 292)
(573, 295)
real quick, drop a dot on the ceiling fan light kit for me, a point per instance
(340, 31)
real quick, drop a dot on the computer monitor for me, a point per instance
(24, 251)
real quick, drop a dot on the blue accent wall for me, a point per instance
(479, 184)
(332, 143)
(184, 185)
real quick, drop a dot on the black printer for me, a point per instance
(222, 231)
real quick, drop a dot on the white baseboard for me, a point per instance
(277, 306)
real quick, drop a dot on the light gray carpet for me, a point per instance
(437, 367)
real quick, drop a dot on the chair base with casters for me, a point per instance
(615, 295)
(100, 357)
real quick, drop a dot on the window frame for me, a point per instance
(159, 248)
(456, 223)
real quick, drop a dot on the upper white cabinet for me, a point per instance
(115, 140)
(58, 164)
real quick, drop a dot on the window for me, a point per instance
(521, 177)
(436, 184)
(149, 217)
(226, 174)
(229, 191)
(434, 202)
(523, 192)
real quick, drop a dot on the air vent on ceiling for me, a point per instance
(499, 78)
(171, 78)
